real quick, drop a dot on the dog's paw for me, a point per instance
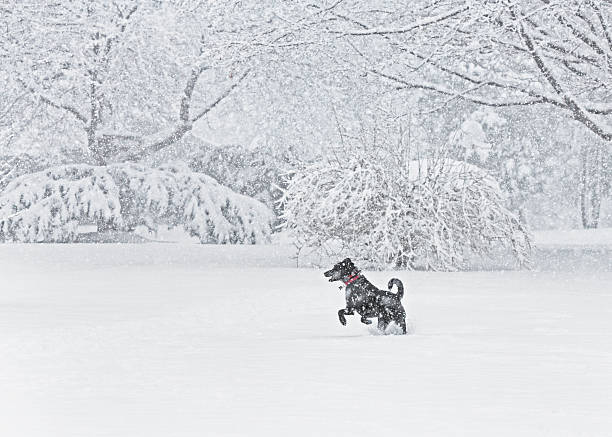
(366, 321)
(342, 320)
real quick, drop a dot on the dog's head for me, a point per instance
(340, 270)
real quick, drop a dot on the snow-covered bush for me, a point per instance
(429, 214)
(13, 166)
(49, 205)
(254, 172)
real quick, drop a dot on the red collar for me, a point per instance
(351, 279)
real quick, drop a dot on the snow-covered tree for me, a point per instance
(123, 80)
(500, 54)
(48, 206)
(419, 214)
(126, 78)
(545, 165)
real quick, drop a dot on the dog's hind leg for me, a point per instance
(366, 321)
(402, 323)
(382, 324)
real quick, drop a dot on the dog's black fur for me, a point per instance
(366, 299)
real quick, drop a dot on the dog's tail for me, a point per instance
(400, 287)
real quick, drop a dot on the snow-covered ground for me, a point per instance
(578, 250)
(574, 238)
(188, 340)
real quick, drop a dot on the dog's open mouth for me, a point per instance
(329, 273)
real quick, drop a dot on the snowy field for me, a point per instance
(188, 340)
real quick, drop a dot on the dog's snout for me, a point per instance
(328, 273)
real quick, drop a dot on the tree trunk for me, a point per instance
(590, 185)
(95, 119)
(93, 144)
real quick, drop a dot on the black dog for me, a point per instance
(366, 299)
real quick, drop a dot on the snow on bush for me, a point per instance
(429, 214)
(47, 206)
(253, 172)
(13, 166)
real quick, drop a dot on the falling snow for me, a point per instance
(175, 176)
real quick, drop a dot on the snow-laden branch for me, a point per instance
(65, 107)
(462, 95)
(537, 96)
(219, 99)
(160, 140)
(554, 54)
(406, 29)
(572, 105)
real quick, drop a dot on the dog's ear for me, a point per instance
(348, 264)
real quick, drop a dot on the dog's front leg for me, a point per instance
(344, 312)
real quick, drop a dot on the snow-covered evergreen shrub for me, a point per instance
(253, 172)
(429, 214)
(49, 205)
(13, 166)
